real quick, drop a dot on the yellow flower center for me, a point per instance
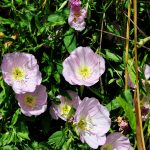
(107, 147)
(18, 74)
(65, 110)
(85, 72)
(82, 124)
(30, 100)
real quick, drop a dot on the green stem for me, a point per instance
(81, 90)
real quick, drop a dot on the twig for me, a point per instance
(136, 26)
(113, 34)
(102, 30)
(139, 131)
(100, 45)
(120, 37)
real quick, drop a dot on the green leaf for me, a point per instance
(59, 68)
(2, 92)
(7, 138)
(131, 71)
(128, 97)
(111, 81)
(57, 138)
(37, 22)
(56, 20)
(67, 145)
(12, 137)
(128, 111)
(113, 57)
(114, 104)
(48, 71)
(23, 135)
(15, 117)
(62, 5)
(119, 82)
(57, 77)
(40, 146)
(6, 21)
(9, 147)
(112, 29)
(19, 2)
(22, 131)
(70, 40)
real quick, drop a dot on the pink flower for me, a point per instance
(77, 19)
(117, 141)
(83, 67)
(92, 122)
(75, 5)
(123, 126)
(77, 15)
(145, 108)
(21, 71)
(147, 71)
(62, 110)
(33, 103)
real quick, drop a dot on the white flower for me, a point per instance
(92, 122)
(117, 141)
(21, 71)
(62, 110)
(83, 67)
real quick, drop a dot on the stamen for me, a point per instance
(30, 100)
(107, 147)
(85, 72)
(18, 74)
(65, 109)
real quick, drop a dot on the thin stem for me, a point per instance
(136, 26)
(81, 90)
(101, 33)
(113, 34)
(143, 41)
(122, 38)
(139, 131)
(127, 44)
(100, 45)
(102, 30)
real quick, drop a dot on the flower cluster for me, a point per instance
(91, 119)
(21, 72)
(77, 15)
